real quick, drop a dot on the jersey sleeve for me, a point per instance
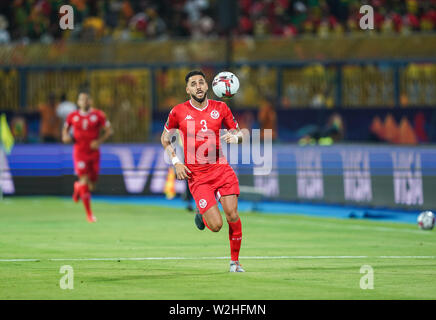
(102, 119)
(69, 120)
(171, 121)
(229, 120)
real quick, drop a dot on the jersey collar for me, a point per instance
(83, 113)
(207, 105)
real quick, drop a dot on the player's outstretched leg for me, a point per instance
(230, 206)
(85, 195)
(76, 193)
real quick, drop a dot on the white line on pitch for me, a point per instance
(248, 257)
(20, 260)
(407, 257)
(220, 258)
(139, 259)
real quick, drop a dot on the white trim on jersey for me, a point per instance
(84, 113)
(198, 108)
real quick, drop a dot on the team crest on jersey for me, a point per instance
(215, 114)
(75, 118)
(93, 118)
(202, 203)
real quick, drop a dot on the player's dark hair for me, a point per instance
(194, 73)
(85, 92)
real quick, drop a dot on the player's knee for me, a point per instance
(216, 227)
(232, 215)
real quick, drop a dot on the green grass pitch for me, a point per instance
(323, 256)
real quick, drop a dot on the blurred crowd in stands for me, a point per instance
(52, 117)
(38, 20)
(311, 87)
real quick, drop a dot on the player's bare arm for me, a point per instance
(107, 132)
(66, 137)
(233, 136)
(181, 170)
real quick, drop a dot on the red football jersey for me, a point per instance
(200, 130)
(86, 128)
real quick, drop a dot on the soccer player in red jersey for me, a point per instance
(87, 123)
(209, 175)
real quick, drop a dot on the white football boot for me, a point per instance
(235, 266)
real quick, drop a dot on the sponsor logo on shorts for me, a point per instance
(202, 203)
(81, 165)
(215, 114)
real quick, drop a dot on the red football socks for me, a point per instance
(235, 237)
(86, 199)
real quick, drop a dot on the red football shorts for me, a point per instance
(207, 187)
(86, 164)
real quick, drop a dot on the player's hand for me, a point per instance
(95, 144)
(182, 171)
(66, 138)
(229, 138)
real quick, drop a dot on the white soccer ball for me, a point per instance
(426, 220)
(225, 84)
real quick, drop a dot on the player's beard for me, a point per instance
(86, 108)
(200, 100)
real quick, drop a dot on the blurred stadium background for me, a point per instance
(354, 130)
(307, 71)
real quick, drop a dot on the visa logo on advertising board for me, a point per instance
(268, 183)
(357, 176)
(310, 183)
(407, 178)
(135, 177)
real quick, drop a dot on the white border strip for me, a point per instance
(219, 258)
